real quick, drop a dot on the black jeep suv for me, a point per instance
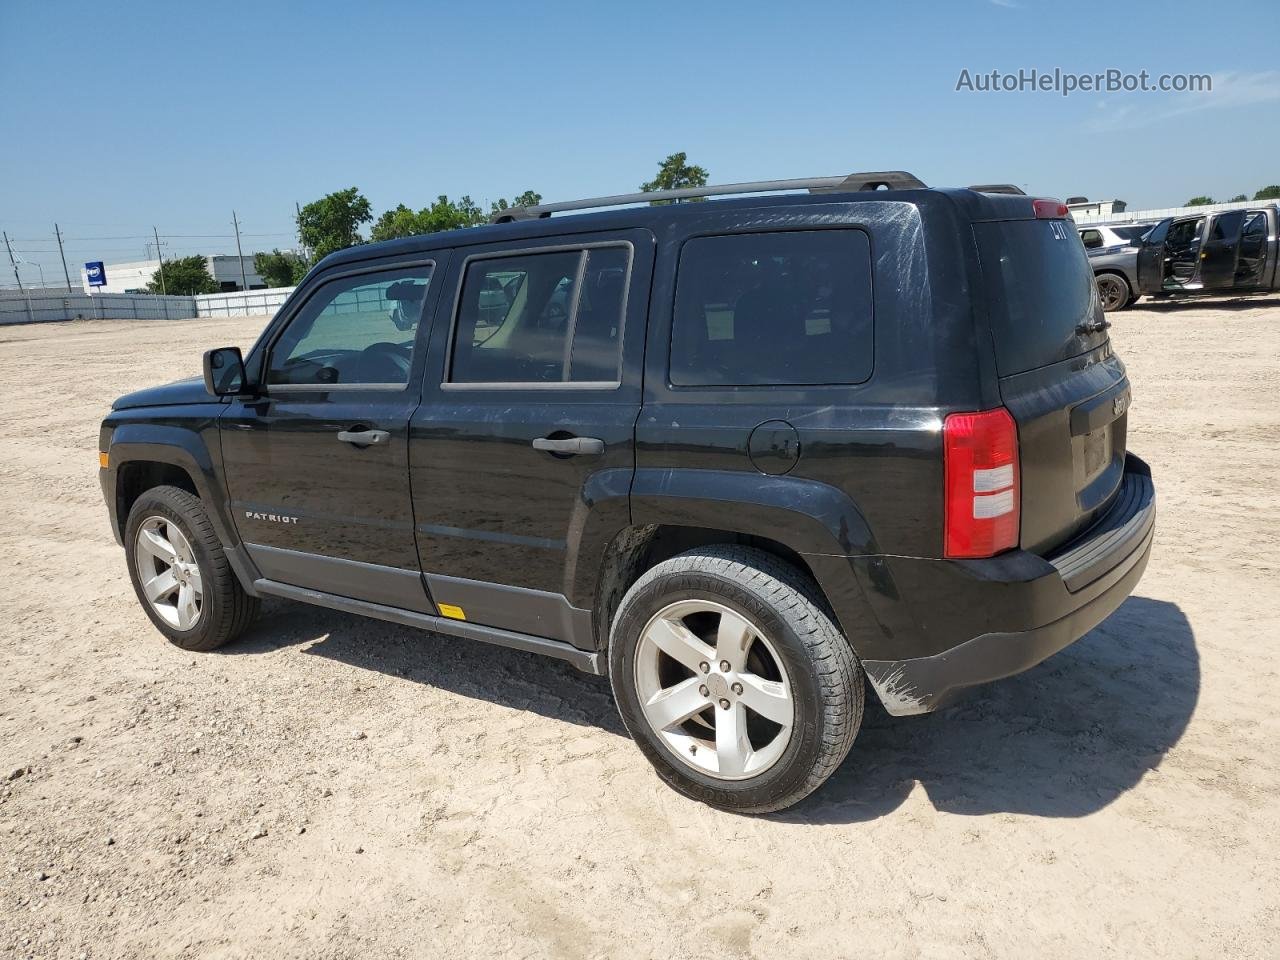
(735, 454)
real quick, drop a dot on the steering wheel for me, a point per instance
(383, 362)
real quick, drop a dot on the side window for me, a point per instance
(357, 330)
(1226, 226)
(773, 308)
(1092, 239)
(542, 318)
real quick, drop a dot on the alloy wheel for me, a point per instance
(714, 689)
(1113, 292)
(168, 572)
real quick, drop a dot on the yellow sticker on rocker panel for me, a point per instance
(450, 611)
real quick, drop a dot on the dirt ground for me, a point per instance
(339, 787)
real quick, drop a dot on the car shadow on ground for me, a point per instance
(481, 671)
(1257, 302)
(1065, 739)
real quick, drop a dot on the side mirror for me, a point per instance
(224, 371)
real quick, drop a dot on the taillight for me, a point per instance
(980, 472)
(1050, 209)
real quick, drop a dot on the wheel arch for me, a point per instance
(810, 525)
(638, 549)
(143, 456)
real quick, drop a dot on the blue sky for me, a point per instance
(117, 117)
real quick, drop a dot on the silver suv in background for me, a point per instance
(1113, 255)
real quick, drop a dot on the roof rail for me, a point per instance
(998, 188)
(889, 180)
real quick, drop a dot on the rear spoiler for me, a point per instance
(998, 188)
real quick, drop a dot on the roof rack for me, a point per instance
(854, 182)
(998, 188)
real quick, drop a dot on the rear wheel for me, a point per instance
(733, 679)
(1113, 291)
(180, 571)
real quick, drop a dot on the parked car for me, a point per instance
(1113, 255)
(1225, 251)
(734, 454)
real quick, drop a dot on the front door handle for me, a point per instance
(569, 445)
(364, 438)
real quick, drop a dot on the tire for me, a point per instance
(1113, 291)
(223, 609)
(792, 644)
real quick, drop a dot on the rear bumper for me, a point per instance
(1076, 589)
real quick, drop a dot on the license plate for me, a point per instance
(1097, 450)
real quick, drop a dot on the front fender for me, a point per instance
(816, 520)
(193, 448)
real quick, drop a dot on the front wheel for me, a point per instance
(733, 679)
(180, 571)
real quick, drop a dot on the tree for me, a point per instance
(530, 198)
(1199, 201)
(280, 269)
(186, 276)
(400, 222)
(1238, 197)
(444, 214)
(1267, 193)
(676, 172)
(333, 222)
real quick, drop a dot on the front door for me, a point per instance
(1182, 252)
(1151, 259)
(522, 453)
(318, 465)
(1221, 250)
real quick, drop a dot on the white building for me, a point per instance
(1080, 207)
(134, 276)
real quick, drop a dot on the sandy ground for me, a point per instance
(1121, 799)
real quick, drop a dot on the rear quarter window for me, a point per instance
(1039, 289)
(759, 309)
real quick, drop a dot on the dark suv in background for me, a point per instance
(1220, 252)
(734, 454)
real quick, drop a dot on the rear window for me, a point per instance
(1039, 289)
(773, 308)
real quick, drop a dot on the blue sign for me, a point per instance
(96, 273)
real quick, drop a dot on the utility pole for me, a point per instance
(65, 272)
(159, 256)
(297, 232)
(243, 277)
(16, 275)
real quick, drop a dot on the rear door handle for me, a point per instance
(569, 445)
(364, 438)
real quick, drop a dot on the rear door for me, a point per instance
(1220, 251)
(522, 453)
(1251, 265)
(1058, 376)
